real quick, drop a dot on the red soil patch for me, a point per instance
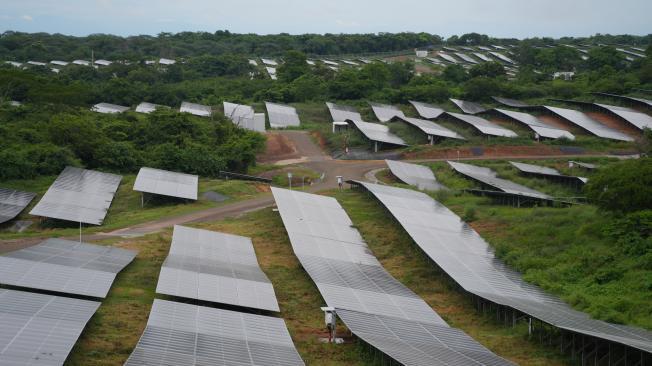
(560, 123)
(278, 147)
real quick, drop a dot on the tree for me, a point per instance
(625, 186)
(487, 69)
(455, 74)
(294, 67)
(605, 56)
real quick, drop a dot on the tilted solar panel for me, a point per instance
(38, 329)
(482, 125)
(385, 112)
(511, 102)
(341, 113)
(418, 344)
(211, 266)
(166, 183)
(470, 261)
(13, 202)
(588, 124)
(377, 132)
(185, 334)
(416, 175)
(369, 300)
(281, 116)
(427, 111)
(196, 109)
(535, 124)
(544, 171)
(468, 107)
(65, 266)
(79, 195)
(430, 128)
(489, 177)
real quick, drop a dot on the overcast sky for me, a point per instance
(498, 18)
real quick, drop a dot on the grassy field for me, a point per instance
(126, 207)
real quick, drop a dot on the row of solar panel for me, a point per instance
(220, 268)
(460, 251)
(84, 196)
(372, 304)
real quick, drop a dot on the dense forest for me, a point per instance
(45, 47)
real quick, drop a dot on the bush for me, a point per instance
(624, 186)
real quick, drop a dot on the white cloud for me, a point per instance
(27, 18)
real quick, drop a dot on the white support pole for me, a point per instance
(80, 225)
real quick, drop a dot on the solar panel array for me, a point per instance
(511, 102)
(196, 109)
(185, 334)
(147, 108)
(544, 171)
(466, 57)
(39, 329)
(65, 266)
(377, 132)
(502, 57)
(109, 108)
(13, 202)
(431, 128)
(483, 126)
(427, 111)
(414, 174)
(462, 253)
(211, 266)
(587, 123)
(538, 126)
(269, 62)
(244, 116)
(417, 343)
(281, 116)
(79, 195)
(468, 107)
(341, 113)
(352, 280)
(166, 183)
(447, 57)
(488, 177)
(642, 101)
(634, 117)
(385, 112)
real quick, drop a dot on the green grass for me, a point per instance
(300, 176)
(126, 208)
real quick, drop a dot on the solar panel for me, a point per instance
(545, 172)
(511, 102)
(145, 107)
(427, 111)
(418, 344)
(633, 117)
(79, 195)
(59, 63)
(13, 202)
(377, 133)
(502, 57)
(484, 48)
(416, 175)
(109, 108)
(584, 165)
(641, 101)
(281, 116)
(341, 113)
(185, 334)
(166, 61)
(385, 112)
(211, 266)
(166, 183)
(196, 109)
(466, 57)
(538, 126)
(271, 71)
(482, 56)
(483, 126)
(244, 116)
(65, 266)
(338, 260)
(588, 124)
(330, 63)
(459, 251)
(447, 57)
(468, 107)
(268, 61)
(40, 329)
(430, 128)
(489, 177)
